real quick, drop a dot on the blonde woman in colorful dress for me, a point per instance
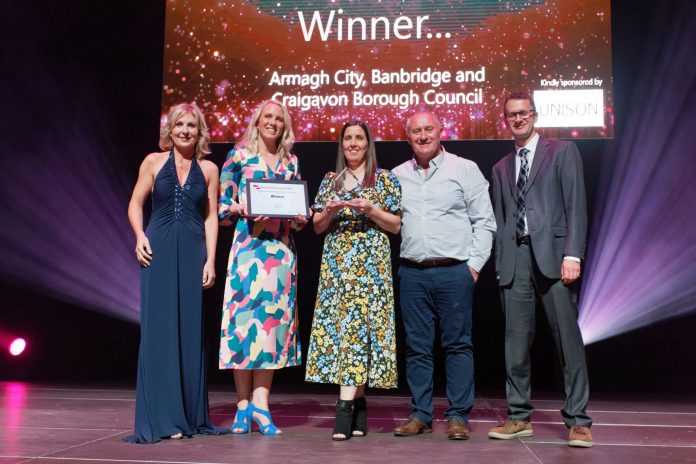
(352, 342)
(259, 331)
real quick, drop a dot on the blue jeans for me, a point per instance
(440, 295)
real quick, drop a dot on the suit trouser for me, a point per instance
(560, 306)
(444, 296)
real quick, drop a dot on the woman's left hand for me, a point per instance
(208, 274)
(263, 220)
(360, 205)
(298, 222)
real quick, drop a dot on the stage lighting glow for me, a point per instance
(64, 193)
(69, 239)
(14, 404)
(640, 265)
(17, 346)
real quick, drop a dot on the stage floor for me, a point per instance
(63, 424)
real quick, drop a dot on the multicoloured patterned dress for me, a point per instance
(259, 323)
(353, 340)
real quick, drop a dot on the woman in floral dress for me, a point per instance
(259, 322)
(352, 342)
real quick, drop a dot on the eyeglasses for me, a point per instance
(524, 114)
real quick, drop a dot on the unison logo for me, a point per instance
(570, 108)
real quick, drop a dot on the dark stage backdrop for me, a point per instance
(94, 68)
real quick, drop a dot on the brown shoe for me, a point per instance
(580, 437)
(457, 429)
(414, 426)
(511, 428)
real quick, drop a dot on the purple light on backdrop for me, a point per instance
(641, 265)
(68, 235)
(64, 193)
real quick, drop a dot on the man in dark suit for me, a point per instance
(541, 215)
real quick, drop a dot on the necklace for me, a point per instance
(352, 173)
(268, 159)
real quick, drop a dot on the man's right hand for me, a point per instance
(474, 274)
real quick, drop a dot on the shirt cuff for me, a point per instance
(475, 264)
(573, 258)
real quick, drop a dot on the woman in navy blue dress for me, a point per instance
(177, 257)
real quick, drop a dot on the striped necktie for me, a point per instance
(521, 182)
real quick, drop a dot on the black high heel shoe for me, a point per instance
(360, 417)
(344, 420)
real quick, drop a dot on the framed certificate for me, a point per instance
(277, 198)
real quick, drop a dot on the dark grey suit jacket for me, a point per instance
(555, 203)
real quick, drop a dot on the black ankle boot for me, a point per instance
(360, 416)
(344, 419)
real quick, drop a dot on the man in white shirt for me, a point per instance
(446, 238)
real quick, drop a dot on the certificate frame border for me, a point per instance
(276, 181)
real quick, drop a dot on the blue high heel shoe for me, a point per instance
(268, 429)
(241, 421)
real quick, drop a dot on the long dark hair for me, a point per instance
(370, 155)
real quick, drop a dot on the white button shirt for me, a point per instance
(446, 211)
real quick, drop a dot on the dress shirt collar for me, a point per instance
(531, 145)
(433, 163)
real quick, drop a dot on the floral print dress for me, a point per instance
(259, 313)
(353, 340)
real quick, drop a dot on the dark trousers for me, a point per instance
(438, 295)
(560, 306)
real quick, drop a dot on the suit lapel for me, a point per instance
(510, 169)
(540, 155)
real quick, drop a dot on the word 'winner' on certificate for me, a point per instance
(277, 198)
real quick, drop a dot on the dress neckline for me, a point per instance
(176, 173)
(272, 173)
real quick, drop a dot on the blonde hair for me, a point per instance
(175, 113)
(250, 139)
